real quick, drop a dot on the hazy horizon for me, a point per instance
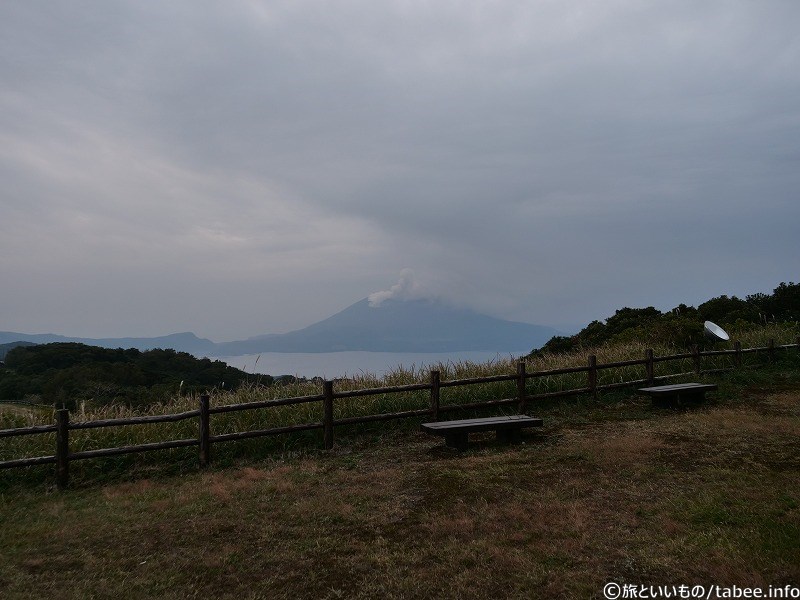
(395, 294)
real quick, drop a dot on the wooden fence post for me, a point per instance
(435, 382)
(696, 358)
(327, 419)
(205, 431)
(650, 366)
(62, 448)
(737, 358)
(521, 386)
(593, 375)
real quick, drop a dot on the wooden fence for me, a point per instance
(434, 410)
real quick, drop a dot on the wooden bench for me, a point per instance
(679, 393)
(456, 432)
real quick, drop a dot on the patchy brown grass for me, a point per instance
(707, 496)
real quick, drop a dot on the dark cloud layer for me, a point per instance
(242, 167)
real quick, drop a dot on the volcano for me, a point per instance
(400, 326)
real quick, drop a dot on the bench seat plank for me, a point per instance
(456, 432)
(679, 387)
(668, 395)
(484, 424)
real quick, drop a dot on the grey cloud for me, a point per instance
(536, 160)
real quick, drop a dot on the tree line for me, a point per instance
(70, 373)
(682, 326)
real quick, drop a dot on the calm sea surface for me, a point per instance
(330, 365)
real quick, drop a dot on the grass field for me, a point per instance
(610, 491)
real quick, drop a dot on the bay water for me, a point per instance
(332, 365)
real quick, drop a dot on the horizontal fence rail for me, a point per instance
(204, 440)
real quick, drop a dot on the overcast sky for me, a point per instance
(242, 167)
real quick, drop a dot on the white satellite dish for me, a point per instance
(715, 332)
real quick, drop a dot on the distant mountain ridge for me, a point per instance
(394, 326)
(182, 342)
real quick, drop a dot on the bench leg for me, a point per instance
(457, 440)
(676, 400)
(692, 398)
(509, 436)
(665, 402)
